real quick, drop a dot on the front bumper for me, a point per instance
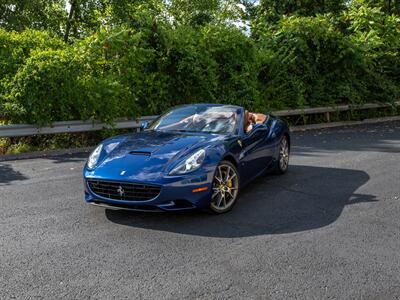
(176, 192)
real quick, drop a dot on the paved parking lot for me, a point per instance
(329, 228)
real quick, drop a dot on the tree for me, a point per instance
(84, 17)
(202, 12)
(275, 9)
(38, 14)
(387, 6)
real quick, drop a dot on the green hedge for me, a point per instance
(127, 72)
(15, 49)
(313, 64)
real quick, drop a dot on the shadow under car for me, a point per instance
(305, 198)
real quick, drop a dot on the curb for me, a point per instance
(63, 152)
(45, 154)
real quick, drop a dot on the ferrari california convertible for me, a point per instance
(192, 157)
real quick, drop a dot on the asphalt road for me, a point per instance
(328, 229)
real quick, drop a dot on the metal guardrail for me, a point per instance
(80, 126)
(68, 127)
(328, 110)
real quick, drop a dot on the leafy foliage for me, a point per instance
(130, 58)
(273, 11)
(378, 36)
(15, 49)
(38, 14)
(312, 64)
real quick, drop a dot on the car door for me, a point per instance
(256, 152)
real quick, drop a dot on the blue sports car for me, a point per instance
(193, 156)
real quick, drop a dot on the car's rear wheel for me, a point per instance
(282, 163)
(225, 188)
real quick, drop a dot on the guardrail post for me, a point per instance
(327, 117)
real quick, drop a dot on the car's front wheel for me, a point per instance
(225, 188)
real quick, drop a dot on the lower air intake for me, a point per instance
(123, 190)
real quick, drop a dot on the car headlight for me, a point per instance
(190, 164)
(94, 157)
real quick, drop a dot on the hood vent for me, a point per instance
(143, 153)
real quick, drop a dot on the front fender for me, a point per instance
(229, 150)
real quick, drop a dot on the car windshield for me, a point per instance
(213, 119)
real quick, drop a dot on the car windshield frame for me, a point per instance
(199, 119)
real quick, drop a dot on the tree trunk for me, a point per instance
(70, 16)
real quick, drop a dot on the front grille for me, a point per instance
(123, 190)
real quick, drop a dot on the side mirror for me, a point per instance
(145, 125)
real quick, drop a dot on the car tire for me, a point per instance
(225, 188)
(282, 163)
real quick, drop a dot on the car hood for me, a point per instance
(146, 155)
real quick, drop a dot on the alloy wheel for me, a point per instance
(225, 188)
